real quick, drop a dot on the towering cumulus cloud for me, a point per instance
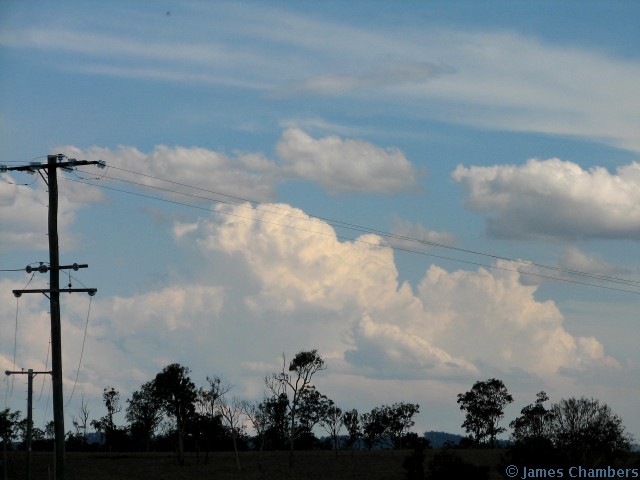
(450, 325)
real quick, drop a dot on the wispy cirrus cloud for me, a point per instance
(384, 76)
(501, 80)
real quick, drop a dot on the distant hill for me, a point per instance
(94, 437)
(438, 439)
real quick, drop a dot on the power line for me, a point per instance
(19, 184)
(397, 248)
(15, 335)
(86, 325)
(358, 228)
(15, 342)
(46, 364)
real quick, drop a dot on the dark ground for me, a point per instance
(310, 465)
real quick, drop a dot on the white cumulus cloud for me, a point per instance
(196, 171)
(491, 318)
(341, 165)
(25, 210)
(555, 199)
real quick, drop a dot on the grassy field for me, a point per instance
(317, 465)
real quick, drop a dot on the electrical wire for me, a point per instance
(86, 325)
(397, 248)
(574, 272)
(15, 335)
(104, 174)
(354, 227)
(75, 279)
(15, 345)
(6, 391)
(46, 405)
(46, 364)
(19, 184)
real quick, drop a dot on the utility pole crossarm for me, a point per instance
(26, 372)
(45, 268)
(71, 163)
(90, 291)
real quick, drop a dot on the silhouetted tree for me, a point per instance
(99, 426)
(532, 437)
(588, 431)
(144, 413)
(274, 409)
(49, 430)
(311, 409)
(111, 398)
(332, 422)
(351, 421)
(231, 415)
(400, 420)
(534, 422)
(80, 422)
(176, 395)
(207, 404)
(373, 427)
(303, 366)
(386, 425)
(9, 426)
(484, 405)
(259, 421)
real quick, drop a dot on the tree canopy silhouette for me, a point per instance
(303, 366)
(176, 395)
(484, 405)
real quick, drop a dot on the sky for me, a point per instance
(429, 193)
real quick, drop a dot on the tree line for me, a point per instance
(170, 413)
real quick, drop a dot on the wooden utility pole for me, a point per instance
(31, 374)
(53, 163)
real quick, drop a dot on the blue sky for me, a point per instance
(504, 128)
